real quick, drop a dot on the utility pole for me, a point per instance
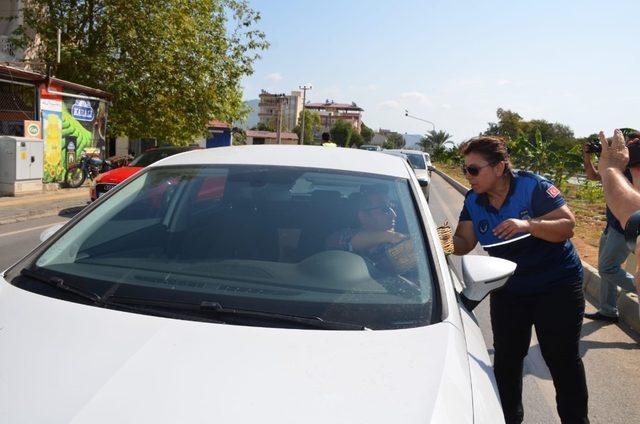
(304, 89)
(280, 99)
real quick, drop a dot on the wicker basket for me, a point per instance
(446, 238)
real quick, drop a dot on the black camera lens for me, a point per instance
(594, 146)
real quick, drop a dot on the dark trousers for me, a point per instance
(557, 317)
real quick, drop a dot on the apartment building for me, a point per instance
(330, 112)
(289, 106)
(10, 19)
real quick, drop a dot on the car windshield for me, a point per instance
(338, 246)
(416, 160)
(154, 155)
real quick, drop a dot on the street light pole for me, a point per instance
(304, 89)
(406, 113)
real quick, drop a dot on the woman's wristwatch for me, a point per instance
(632, 230)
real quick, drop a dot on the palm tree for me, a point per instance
(435, 141)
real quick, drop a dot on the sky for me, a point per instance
(455, 62)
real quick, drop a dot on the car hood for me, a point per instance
(118, 175)
(63, 362)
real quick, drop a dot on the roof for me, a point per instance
(338, 158)
(214, 123)
(406, 151)
(332, 105)
(271, 134)
(14, 73)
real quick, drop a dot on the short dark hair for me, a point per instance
(368, 191)
(490, 147)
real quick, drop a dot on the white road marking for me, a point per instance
(26, 230)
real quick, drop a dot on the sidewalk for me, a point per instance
(47, 203)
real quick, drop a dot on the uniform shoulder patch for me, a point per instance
(553, 192)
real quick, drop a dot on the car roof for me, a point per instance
(341, 159)
(177, 148)
(405, 151)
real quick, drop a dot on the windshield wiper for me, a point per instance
(60, 284)
(216, 310)
(105, 301)
(315, 322)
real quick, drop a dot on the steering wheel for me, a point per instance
(395, 284)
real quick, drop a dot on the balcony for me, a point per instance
(7, 49)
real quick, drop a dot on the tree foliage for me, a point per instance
(538, 145)
(435, 141)
(172, 65)
(311, 125)
(366, 133)
(356, 139)
(265, 126)
(394, 140)
(341, 133)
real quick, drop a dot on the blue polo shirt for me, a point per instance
(542, 265)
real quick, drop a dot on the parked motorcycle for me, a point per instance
(90, 166)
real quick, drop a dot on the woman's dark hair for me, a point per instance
(492, 148)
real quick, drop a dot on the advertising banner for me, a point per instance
(71, 126)
(51, 110)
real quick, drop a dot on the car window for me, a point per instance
(277, 239)
(416, 160)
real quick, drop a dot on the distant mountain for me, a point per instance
(252, 119)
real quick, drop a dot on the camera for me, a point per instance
(634, 154)
(594, 146)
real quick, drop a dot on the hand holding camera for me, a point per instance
(615, 154)
(616, 150)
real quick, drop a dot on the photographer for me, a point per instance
(612, 251)
(622, 197)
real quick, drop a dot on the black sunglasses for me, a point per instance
(473, 170)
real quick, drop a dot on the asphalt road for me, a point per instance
(611, 354)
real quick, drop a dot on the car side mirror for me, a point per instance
(50, 231)
(481, 276)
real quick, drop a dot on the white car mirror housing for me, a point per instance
(481, 276)
(50, 231)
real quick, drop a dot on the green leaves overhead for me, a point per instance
(173, 65)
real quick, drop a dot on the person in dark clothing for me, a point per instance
(612, 252)
(375, 232)
(523, 217)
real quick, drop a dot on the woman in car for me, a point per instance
(523, 217)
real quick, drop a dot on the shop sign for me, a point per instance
(82, 110)
(32, 129)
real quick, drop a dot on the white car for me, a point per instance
(420, 163)
(206, 289)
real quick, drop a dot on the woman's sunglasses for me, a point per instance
(472, 170)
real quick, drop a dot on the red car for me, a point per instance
(108, 180)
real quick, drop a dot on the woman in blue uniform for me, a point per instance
(522, 217)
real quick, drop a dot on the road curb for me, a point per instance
(461, 188)
(628, 308)
(22, 218)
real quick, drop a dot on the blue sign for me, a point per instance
(82, 110)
